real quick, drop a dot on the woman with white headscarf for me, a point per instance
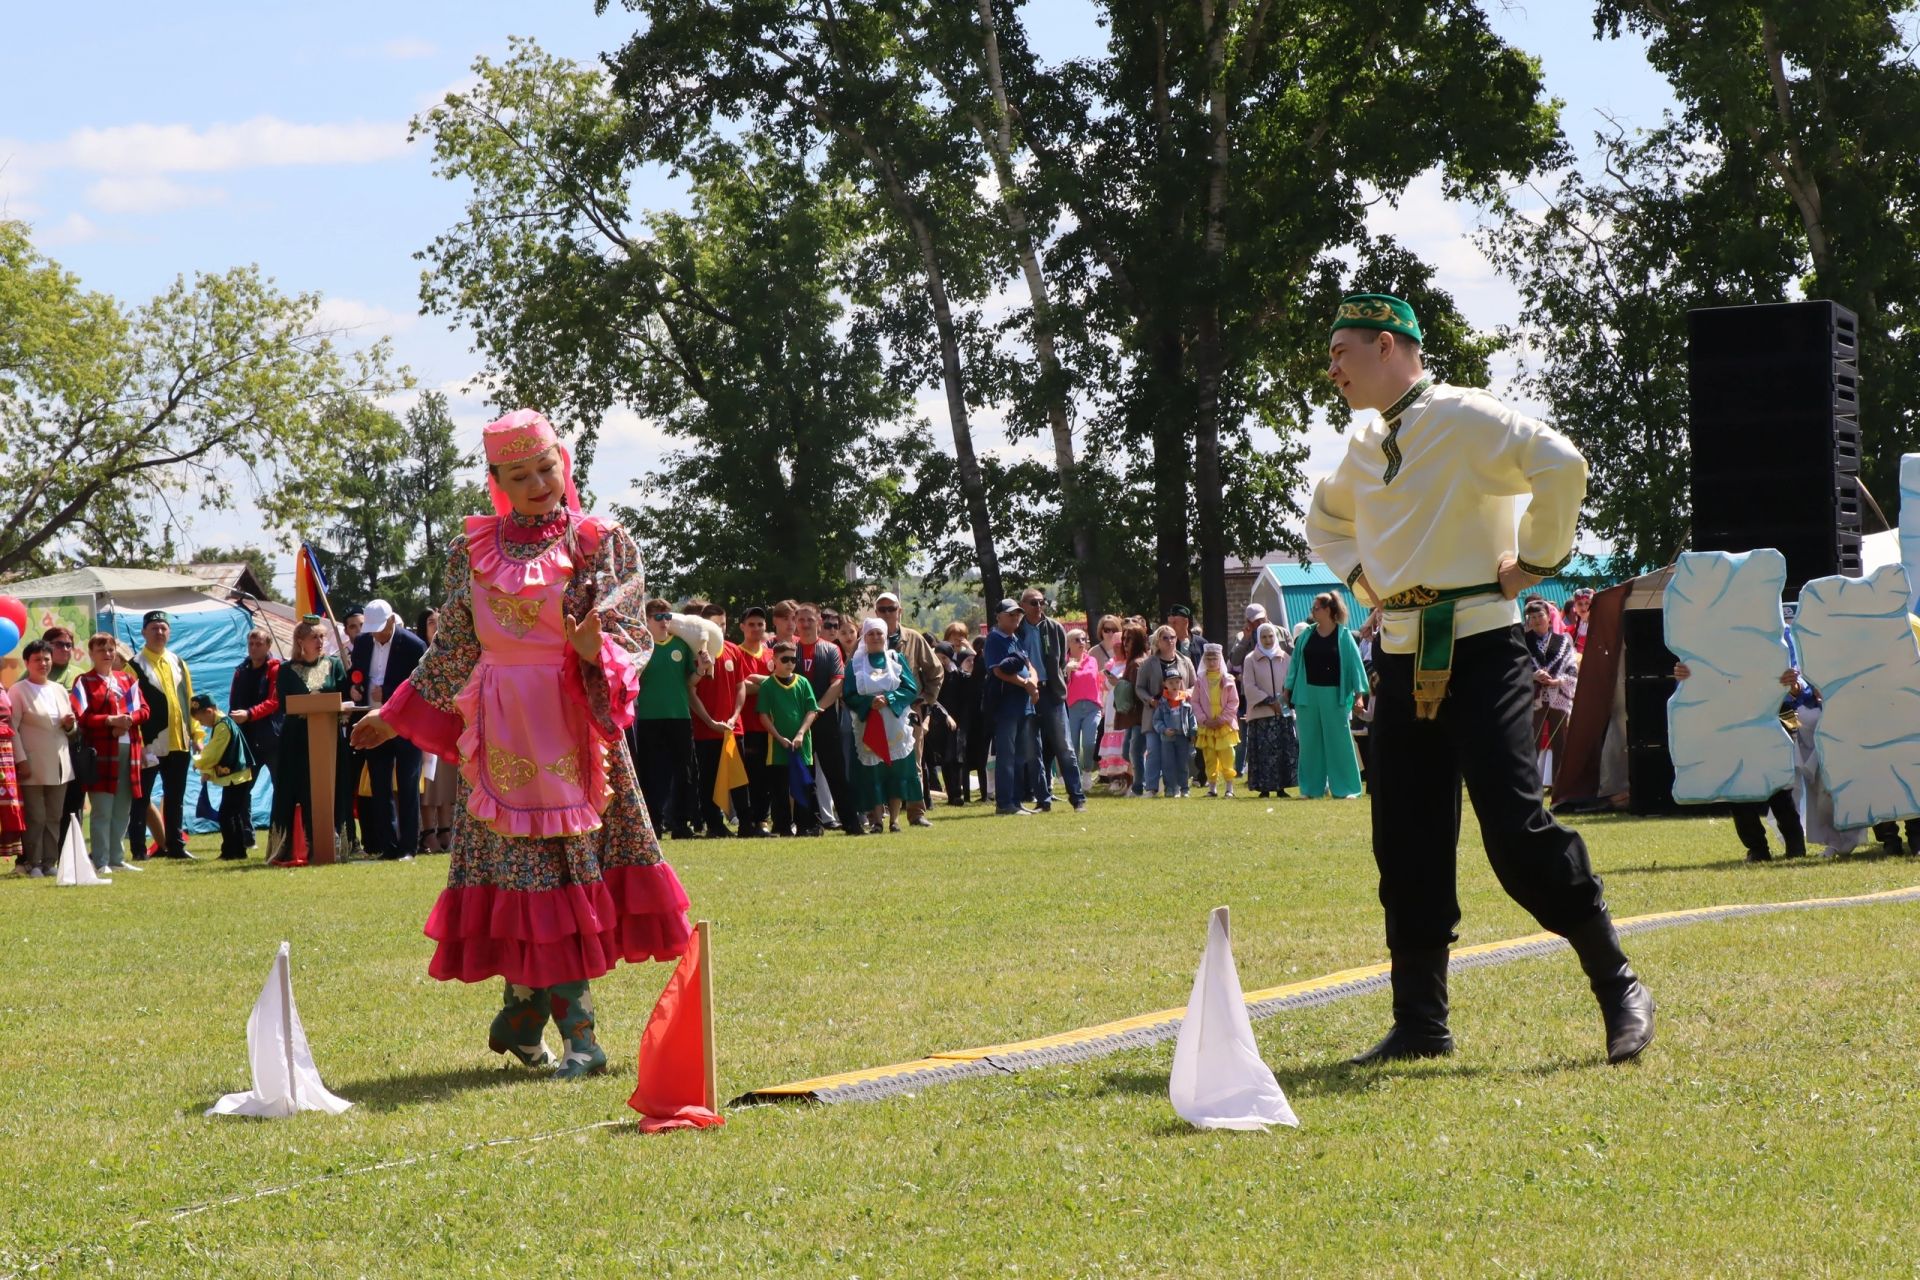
(880, 693)
(1273, 752)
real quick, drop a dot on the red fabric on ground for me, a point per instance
(671, 1089)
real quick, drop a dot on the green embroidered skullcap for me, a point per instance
(1380, 311)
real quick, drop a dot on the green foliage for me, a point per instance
(110, 416)
(399, 506)
(1217, 162)
(743, 330)
(1792, 172)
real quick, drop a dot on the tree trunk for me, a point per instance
(1172, 549)
(1209, 346)
(973, 486)
(1053, 387)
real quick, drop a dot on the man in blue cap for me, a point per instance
(1444, 509)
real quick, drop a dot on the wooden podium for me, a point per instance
(322, 712)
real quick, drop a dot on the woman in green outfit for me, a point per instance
(880, 685)
(308, 671)
(1324, 681)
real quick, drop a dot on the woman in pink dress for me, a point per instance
(555, 874)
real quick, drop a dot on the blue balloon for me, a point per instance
(9, 636)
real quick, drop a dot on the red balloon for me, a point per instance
(14, 610)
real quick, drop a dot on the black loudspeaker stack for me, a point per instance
(1649, 684)
(1775, 431)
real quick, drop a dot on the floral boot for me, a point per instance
(520, 1027)
(572, 1005)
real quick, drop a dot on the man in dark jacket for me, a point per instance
(384, 655)
(254, 701)
(1050, 712)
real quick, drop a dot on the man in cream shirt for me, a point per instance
(1444, 509)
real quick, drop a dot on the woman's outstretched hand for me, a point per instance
(371, 732)
(584, 636)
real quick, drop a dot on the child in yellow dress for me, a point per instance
(1216, 705)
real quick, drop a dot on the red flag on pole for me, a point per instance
(874, 736)
(676, 1086)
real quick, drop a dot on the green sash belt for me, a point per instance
(1433, 642)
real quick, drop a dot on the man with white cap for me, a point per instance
(384, 655)
(928, 675)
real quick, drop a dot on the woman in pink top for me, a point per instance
(555, 874)
(1084, 691)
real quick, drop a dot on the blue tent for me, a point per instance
(211, 637)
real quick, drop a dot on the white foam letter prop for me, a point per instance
(76, 867)
(1910, 525)
(1857, 648)
(284, 1077)
(1723, 722)
(1219, 1081)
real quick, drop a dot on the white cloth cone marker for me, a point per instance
(1218, 1080)
(284, 1077)
(76, 867)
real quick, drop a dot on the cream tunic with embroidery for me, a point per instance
(1476, 481)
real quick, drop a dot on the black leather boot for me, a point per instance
(1419, 1010)
(1626, 1006)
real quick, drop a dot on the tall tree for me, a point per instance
(432, 492)
(1218, 162)
(747, 329)
(1820, 96)
(366, 539)
(848, 75)
(1791, 172)
(110, 415)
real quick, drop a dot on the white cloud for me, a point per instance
(406, 48)
(75, 228)
(260, 142)
(349, 313)
(149, 193)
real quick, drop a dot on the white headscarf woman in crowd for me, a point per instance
(1273, 750)
(880, 692)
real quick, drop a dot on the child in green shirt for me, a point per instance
(226, 762)
(788, 709)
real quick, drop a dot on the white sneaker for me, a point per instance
(129, 866)
(103, 871)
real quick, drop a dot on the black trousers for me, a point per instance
(663, 756)
(761, 778)
(707, 750)
(830, 758)
(798, 816)
(236, 819)
(1753, 836)
(390, 816)
(1484, 738)
(1889, 832)
(172, 775)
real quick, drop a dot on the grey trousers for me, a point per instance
(45, 807)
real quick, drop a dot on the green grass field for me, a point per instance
(1773, 1129)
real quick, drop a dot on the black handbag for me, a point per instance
(86, 763)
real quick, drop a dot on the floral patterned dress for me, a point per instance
(555, 874)
(13, 818)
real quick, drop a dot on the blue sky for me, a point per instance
(141, 146)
